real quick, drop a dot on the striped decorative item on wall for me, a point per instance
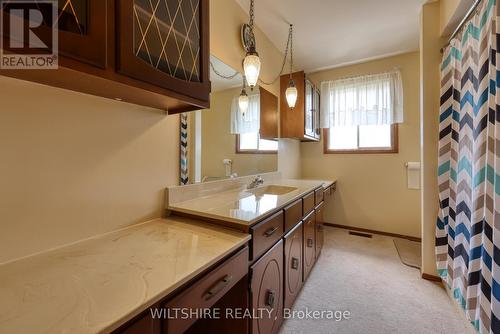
(184, 170)
(468, 225)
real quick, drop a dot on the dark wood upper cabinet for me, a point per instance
(268, 114)
(82, 26)
(302, 121)
(165, 43)
(151, 53)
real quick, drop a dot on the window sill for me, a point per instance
(363, 151)
(255, 152)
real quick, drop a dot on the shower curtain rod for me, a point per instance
(461, 24)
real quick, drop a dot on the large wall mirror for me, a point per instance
(223, 142)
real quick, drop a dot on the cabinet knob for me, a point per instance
(310, 243)
(271, 298)
(295, 263)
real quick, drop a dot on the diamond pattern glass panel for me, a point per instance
(73, 16)
(167, 36)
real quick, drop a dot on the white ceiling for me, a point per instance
(330, 33)
(218, 83)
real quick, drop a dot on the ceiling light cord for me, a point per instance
(287, 49)
(223, 76)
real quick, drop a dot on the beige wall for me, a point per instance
(372, 188)
(430, 59)
(75, 165)
(218, 143)
(447, 10)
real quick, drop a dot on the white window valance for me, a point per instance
(248, 122)
(366, 100)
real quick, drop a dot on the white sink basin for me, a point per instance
(271, 190)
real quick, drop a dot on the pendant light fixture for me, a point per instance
(243, 99)
(251, 63)
(291, 91)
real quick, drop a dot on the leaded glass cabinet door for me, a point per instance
(82, 29)
(316, 111)
(165, 43)
(308, 112)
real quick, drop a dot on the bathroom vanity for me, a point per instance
(284, 219)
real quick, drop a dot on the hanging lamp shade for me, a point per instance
(251, 67)
(243, 102)
(291, 94)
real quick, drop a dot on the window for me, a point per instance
(362, 139)
(252, 143)
(361, 114)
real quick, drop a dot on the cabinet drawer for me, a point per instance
(327, 192)
(208, 290)
(308, 203)
(266, 234)
(318, 195)
(293, 215)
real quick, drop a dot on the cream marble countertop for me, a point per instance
(242, 206)
(98, 284)
(326, 183)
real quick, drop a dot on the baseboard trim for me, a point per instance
(432, 278)
(388, 234)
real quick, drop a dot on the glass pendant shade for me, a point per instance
(291, 94)
(243, 102)
(251, 66)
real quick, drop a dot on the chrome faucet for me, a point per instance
(256, 182)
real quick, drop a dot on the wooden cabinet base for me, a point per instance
(309, 249)
(266, 291)
(293, 265)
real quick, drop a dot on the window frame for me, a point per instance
(251, 151)
(394, 148)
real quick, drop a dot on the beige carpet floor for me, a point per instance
(366, 277)
(409, 252)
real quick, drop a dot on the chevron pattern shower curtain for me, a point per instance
(468, 225)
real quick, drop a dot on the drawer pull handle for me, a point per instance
(271, 298)
(271, 231)
(310, 243)
(218, 287)
(295, 263)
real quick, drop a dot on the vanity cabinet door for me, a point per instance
(320, 233)
(165, 43)
(81, 26)
(266, 291)
(309, 244)
(293, 264)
